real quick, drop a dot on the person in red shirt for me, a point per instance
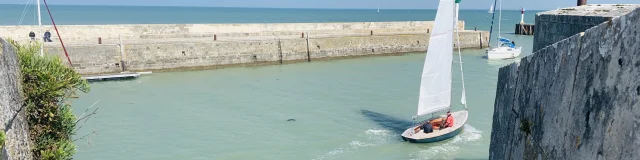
(449, 121)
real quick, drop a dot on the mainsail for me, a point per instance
(435, 86)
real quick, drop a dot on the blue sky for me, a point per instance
(391, 4)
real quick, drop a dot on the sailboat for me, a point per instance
(491, 9)
(378, 7)
(505, 48)
(435, 86)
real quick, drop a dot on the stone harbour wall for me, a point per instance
(12, 122)
(578, 98)
(556, 25)
(111, 34)
(259, 47)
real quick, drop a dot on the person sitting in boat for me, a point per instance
(426, 127)
(448, 121)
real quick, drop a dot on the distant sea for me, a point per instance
(76, 15)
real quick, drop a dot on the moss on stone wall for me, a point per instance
(1, 138)
(525, 126)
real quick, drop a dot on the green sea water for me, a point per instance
(343, 109)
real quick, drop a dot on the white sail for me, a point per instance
(491, 9)
(435, 86)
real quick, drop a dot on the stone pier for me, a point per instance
(96, 49)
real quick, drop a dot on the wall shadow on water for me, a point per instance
(396, 125)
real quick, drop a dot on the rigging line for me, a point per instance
(24, 11)
(35, 16)
(461, 71)
(58, 32)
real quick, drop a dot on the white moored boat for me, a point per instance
(435, 86)
(505, 48)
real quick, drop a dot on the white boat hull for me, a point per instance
(504, 53)
(459, 119)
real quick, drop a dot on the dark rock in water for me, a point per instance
(575, 99)
(290, 120)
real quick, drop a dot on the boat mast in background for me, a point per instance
(499, 22)
(39, 33)
(492, 19)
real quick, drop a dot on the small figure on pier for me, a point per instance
(47, 36)
(32, 35)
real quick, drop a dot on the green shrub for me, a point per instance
(47, 84)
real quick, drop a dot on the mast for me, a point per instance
(455, 21)
(492, 19)
(40, 29)
(499, 22)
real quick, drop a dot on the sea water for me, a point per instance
(13, 14)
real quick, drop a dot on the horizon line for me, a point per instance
(518, 9)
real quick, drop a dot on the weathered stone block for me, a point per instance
(13, 121)
(578, 98)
